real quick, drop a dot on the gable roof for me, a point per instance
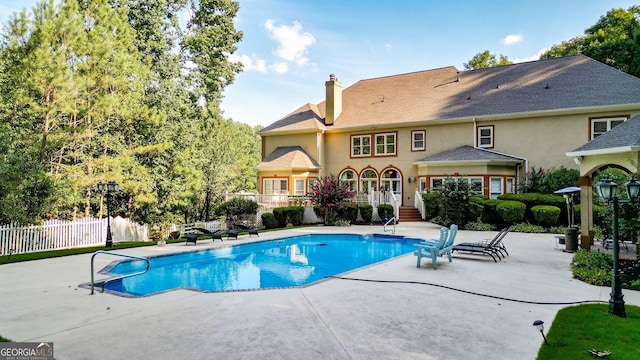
(622, 138)
(288, 157)
(469, 154)
(572, 82)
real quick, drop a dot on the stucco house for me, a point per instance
(405, 133)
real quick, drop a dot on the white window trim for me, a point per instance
(296, 191)
(480, 128)
(384, 145)
(608, 121)
(273, 191)
(361, 137)
(413, 140)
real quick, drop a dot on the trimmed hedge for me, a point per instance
(366, 212)
(381, 210)
(511, 212)
(289, 215)
(546, 215)
(269, 221)
(348, 213)
(534, 199)
(431, 204)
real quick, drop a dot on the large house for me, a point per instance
(406, 133)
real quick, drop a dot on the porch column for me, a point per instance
(586, 212)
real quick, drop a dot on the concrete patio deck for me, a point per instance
(334, 319)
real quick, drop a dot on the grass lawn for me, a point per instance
(577, 329)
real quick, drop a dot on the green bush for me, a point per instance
(289, 215)
(534, 199)
(545, 215)
(592, 267)
(348, 213)
(388, 208)
(269, 221)
(366, 212)
(235, 208)
(529, 228)
(431, 204)
(556, 179)
(490, 214)
(511, 212)
(479, 226)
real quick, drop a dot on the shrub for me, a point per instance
(385, 209)
(330, 194)
(479, 226)
(560, 178)
(431, 201)
(545, 215)
(528, 228)
(366, 212)
(592, 267)
(289, 215)
(455, 206)
(490, 214)
(235, 208)
(511, 212)
(269, 221)
(349, 213)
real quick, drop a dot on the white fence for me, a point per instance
(61, 234)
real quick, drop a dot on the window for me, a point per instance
(360, 145)
(485, 136)
(418, 140)
(349, 176)
(311, 182)
(299, 187)
(436, 183)
(368, 181)
(496, 187)
(385, 144)
(476, 185)
(423, 185)
(511, 188)
(602, 125)
(275, 186)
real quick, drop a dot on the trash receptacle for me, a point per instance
(571, 239)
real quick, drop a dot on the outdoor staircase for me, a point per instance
(409, 214)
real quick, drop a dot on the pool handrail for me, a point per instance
(118, 277)
(393, 219)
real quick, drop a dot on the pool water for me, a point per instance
(287, 262)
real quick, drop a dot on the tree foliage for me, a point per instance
(101, 90)
(330, 195)
(614, 40)
(485, 59)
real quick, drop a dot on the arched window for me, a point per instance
(368, 181)
(392, 180)
(349, 176)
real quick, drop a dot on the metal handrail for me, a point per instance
(394, 225)
(118, 277)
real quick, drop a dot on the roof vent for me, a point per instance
(547, 87)
(497, 86)
(458, 76)
(469, 98)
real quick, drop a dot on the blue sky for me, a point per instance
(291, 46)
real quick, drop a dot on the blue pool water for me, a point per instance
(287, 262)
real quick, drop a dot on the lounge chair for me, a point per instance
(435, 250)
(231, 233)
(202, 233)
(494, 247)
(250, 230)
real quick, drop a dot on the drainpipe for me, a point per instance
(475, 133)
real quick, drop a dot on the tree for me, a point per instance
(485, 59)
(613, 40)
(330, 194)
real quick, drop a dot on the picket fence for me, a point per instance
(61, 234)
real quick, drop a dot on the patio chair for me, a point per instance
(435, 250)
(202, 233)
(250, 230)
(494, 247)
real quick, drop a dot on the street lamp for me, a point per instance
(110, 187)
(607, 192)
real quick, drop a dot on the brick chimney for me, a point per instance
(333, 102)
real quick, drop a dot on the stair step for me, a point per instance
(409, 214)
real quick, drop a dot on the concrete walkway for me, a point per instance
(334, 319)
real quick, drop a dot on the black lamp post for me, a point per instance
(539, 324)
(607, 191)
(110, 187)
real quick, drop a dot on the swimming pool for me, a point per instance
(287, 262)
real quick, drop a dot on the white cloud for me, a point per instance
(250, 64)
(293, 43)
(280, 67)
(512, 39)
(532, 57)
